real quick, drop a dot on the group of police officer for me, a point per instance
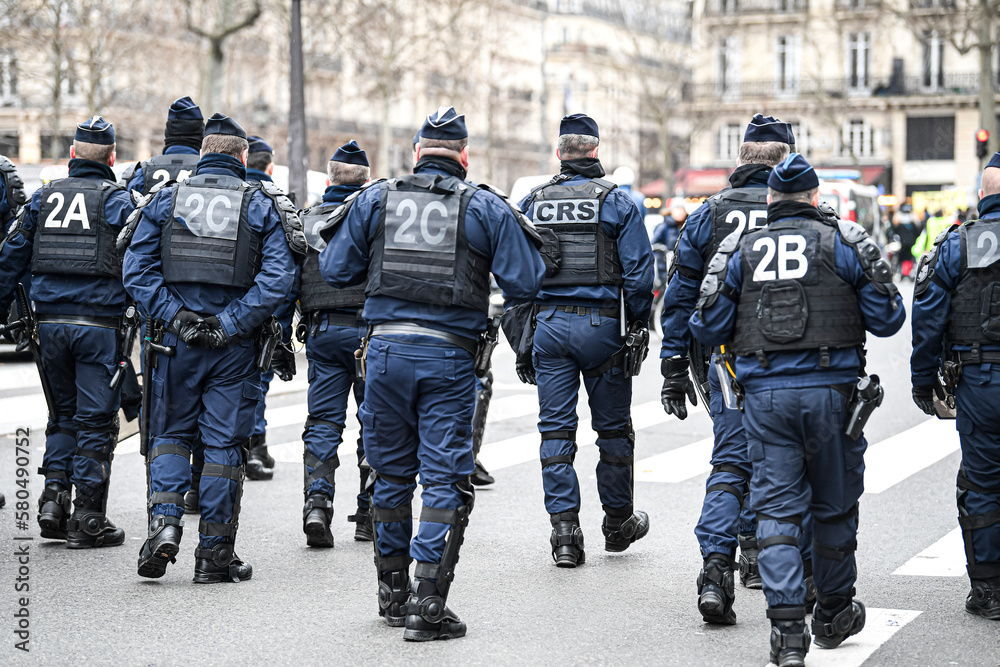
(392, 280)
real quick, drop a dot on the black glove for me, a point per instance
(525, 371)
(924, 398)
(283, 362)
(676, 385)
(212, 336)
(186, 326)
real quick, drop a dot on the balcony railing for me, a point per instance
(741, 7)
(846, 5)
(953, 84)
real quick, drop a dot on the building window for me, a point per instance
(786, 63)
(729, 140)
(933, 45)
(857, 139)
(930, 138)
(801, 133)
(727, 66)
(859, 57)
(8, 78)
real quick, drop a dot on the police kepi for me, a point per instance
(792, 303)
(956, 361)
(427, 301)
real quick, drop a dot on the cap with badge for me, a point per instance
(222, 124)
(768, 128)
(445, 124)
(258, 145)
(794, 174)
(350, 153)
(578, 123)
(96, 130)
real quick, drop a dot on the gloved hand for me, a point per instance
(212, 336)
(525, 371)
(283, 362)
(676, 385)
(186, 326)
(924, 398)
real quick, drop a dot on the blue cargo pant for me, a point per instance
(803, 464)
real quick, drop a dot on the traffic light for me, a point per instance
(982, 143)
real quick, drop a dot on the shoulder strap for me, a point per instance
(132, 222)
(289, 217)
(338, 214)
(875, 266)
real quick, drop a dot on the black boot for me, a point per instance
(749, 572)
(789, 639)
(316, 517)
(161, 546)
(481, 476)
(807, 567)
(260, 464)
(90, 527)
(717, 590)
(192, 498)
(620, 533)
(567, 540)
(836, 618)
(984, 598)
(393, 593)
(427, 616)
(220, 564)
(54, 507)
(363, 531)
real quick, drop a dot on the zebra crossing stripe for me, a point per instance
(944, 558)
(896, 458)
(880, 626)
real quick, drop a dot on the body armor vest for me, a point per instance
(573, 212)
(420, 251)
(162, 168)
(207, 238)
(72, 236)
(975, 301)
(735, 209)
(314, 292)
(792, 297)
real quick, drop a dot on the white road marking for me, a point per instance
(892, 460)
(677, 465)
(880, 626)
(944, 558)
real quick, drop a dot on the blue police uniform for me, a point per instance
(209, 388)
(952, 317)
(182, 137)
(578, 330)
(66, 236)
(796, 374)
(427, 302)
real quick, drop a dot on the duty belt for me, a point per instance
(82, 320)
(335, 319)
(579, 310)
(977, 356)
(410, 329)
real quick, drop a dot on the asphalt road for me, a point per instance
(308, 606)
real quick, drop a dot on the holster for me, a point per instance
(361, 356)
(266, 341)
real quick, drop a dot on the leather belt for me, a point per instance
(410, 329)
(335, 319)
(82, 320)
(579, 310)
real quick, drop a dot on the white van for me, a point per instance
(857, 203)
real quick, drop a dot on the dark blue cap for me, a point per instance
(96, 130)
(769, 128)
(184, 108)
(793, 175)
(578, 123)
(350, 153)
(994, 161)
(416, 139)
(258, 145)
(222, 124)
(446, 124)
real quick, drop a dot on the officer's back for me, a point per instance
(182, 136)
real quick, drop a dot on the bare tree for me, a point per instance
(103, 46)
(226, 23)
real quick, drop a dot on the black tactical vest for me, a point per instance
(573, 212)
(792, 297)
(975, 301)
(314, 292)
(72, 236)
(208, 238)
(735, 209)
(420, 251)
(162, 168)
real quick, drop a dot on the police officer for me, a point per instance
(725, 519)
(606, 259)
(67, 237)
(260, 465)
(956, 325)
(211, 312)
(334, 329)
(181, 143)
(427, 243)
(792, 303)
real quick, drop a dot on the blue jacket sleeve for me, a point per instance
(682, 290)
(142, 270)
(15, 254)
(636, 256)
(286, 311)
(930, 314)
(517, 265)
(344, 261)
(138, 181)
(883, 317)
(720, 318)
(694, 240)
